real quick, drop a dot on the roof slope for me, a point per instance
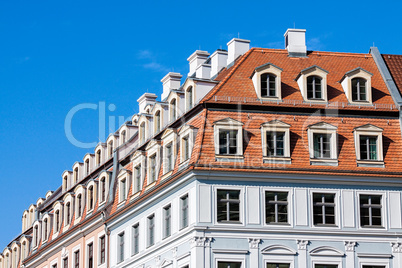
(394, 64)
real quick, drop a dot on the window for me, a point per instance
(123, 137)
(278, 265)
(370, 210)
(136, 238)
(151, 230)
(184, 211)
(121, 247)
(123, 189)
(45, 229)
(373, 266)
(268, 85)
(36, 235)
(87, 167)
(103, 187)
(102, 250)
(228, 142)
(173, 112)
(189, 98)
(79, 209)
(90, 255)
(359, 89)
(229, 264)
(152, 174)
(65, 263)
(110, 148)
(275, 144)
(142, 132)
(54, 265)
(77, 259)
(186, 148)
(137, 178)
(324, 209)
(90, 198)
(167, 220)
(157, 122)
(65, 183)
(314, 90)
(169, 157)
(322, 145)
(68, 212)
(76, 175)
(276, 207)
(228, 206)
(57, 220)
(325, 266)
(98, 157)
(368, 147)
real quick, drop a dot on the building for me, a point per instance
(271, 158)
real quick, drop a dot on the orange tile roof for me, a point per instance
(394, 64)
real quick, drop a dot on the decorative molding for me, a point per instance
(350, 246)
(396, 247)
(278, 250)
(302, 244)
(157, 260)
(64, 252)
(174, 252)
(326, 251)
(254, 243)
(198, 241)
(230, 251)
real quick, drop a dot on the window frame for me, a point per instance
(102, 237)
(370, 131)
(276, 126)
(335, 206)
(135, 238)
(241, 206)
(150, 229)
(189, 132)
(326, 129)
(271, 69)
(182, 209)
(153, 150)
(383, 210)
(303, 83)
(229, 124)
(167, 221)
(287, 223)
(121, 247)
(346, 83)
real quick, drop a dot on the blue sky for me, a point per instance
(55, 55)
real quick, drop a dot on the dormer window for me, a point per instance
(228, 141)
(314, 90)
(79, 205)
(87, 166)
(103, 189)
(312, 82)
(189, 98)
(173, 108)
(369, 146)
(275, 137)
(45, 229)
(322, 140)
(357, 86)
(157, 119)
(359, 89)
(228, 135)
(65, 183)
(154, 160)
(123, 189)
(90, 198)
(76, 175)
(36, 234)
(142, 132)
(152, 164)
(57, 222)
(267, 81)
(68, 213)
(110, 148)
(123, 137)
(98, 157)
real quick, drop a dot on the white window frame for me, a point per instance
(302, 82)
(148, 244)
(164, 234)
(346, 83)
(276, 126)
(106, 175)
(225, 257)
(384, 208)
(92, 183)
(169, 137)
(337, 201)
(124, 175)
(98, 259)
(376, 261)
(79, 190)
(153, 149)
(229, 124)
(290, 207)
(192, 97)
(94, 250)
(188, 132)
(181, 226)
(69, 198)
(369, 130)
(241, 206)
(267, 68)
(323, 128)
(155, 121)
(133, 253)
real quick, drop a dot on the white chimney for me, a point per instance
(170, 81)
(145, 99)
(203, 71)
(196, 59)
(237, 47)
(218, 61)
(295, 42)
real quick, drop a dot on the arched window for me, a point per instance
(76, 175)
(36, 236)
(103, 188)
(87, 166)
(268, 85)
(23, 253)
(157, 122)
(189, 98)
(110, 148)
(314, 90)
(123, 137)
(173, 114)
(142, 132)
(91, 198)
(68, 213)
(57, 220)
(45, 229)
(31, 217)
(65, 183)
(359, 92)
(79, 205)
(98, 157)
(15, 258)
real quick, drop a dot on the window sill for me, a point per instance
(323, 162)
(364, 103)
(326, 225)
(370, 163)
(279, 224)
(229, 158)
(229, 222)
(121, 203)
(150, 185)
(277, 160)
(373, 227)
(167, 174)
(316, 101)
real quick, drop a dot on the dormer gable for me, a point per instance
(322, 126)
(369, 127)
(66, 180)
(267, 81)
(312, 83)
(152, 144)
(357, 86)
(275, 123)
(48, 194)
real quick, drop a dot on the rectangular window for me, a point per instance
(169, 157)
(151, 230)
(278, 265)
(322, 145)
(121, 247)
(368, 147)
(186, 149)
(65, 263)
(228, 206)
(228, 142)
(167, 221)
(324, 209)
(222, 264)
(373, 266)
(138, 178)
(90, 255)
(153, 168)
(123, 189)
(325, 266)
(136, 239)
(77, 259)
(102, 250)
(184, 211)
(275, 144)
(370, 210)
(276, 207)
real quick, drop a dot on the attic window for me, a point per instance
(357, 86)
(369, 146)
(359, 89)
(98, 157)
(228, 134)
(189, 98)
(268, 85)
(267, 81)
(275, 136)
(322, 140)
(314, 90)
(312, 82)
(157, 122)
(173, 112)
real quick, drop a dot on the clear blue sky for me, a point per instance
(58, 54)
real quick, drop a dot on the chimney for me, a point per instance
(237, 47)
(196, 59)
(170, 81)
(203, 71)
(295, 42)
(144, 100)
(218, 61)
